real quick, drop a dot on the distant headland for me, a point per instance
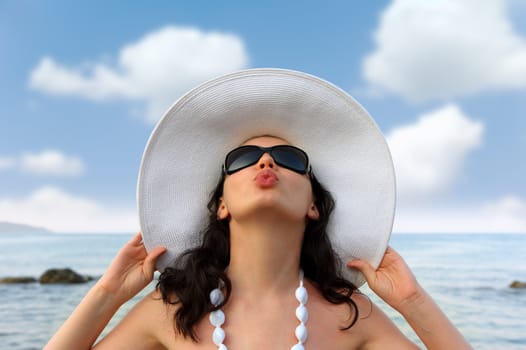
(10, 227)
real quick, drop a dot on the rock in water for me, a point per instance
(517, 284)
(62, 276)
(14, 280)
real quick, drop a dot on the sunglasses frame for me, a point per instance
(270, 151)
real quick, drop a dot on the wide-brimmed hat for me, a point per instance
(348, 153)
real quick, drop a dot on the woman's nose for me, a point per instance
(266, 161)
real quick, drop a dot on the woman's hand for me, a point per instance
(393, 281)
(131, 270)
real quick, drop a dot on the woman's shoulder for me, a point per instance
(377, 330)
(371, 324)
(328, 322)
(158, 314)
(144, 326)
(153, 311)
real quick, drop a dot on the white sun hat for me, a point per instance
(348, 153)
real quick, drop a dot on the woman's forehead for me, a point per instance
(265, 140)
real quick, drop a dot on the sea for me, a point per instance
(467, 274)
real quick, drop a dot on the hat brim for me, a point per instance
(348, 153)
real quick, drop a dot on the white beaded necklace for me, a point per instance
(217, 318)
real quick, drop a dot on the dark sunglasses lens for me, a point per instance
(241, 158)
(291, 158)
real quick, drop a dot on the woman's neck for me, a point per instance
(264, 257)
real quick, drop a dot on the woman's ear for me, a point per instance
(222, 210)
(313, 212)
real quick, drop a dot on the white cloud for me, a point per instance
(47, 162)
(429, 154)
(59, 211)
(51, 162)
(156, 69)
(7, 163)
(504, 215)
(445, 48)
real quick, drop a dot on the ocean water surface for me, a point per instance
(468, 276)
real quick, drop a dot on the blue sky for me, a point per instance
(82, 85)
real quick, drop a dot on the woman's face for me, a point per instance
(266, 187)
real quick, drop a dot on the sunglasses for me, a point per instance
(287, 156)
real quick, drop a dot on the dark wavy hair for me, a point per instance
(201, 269)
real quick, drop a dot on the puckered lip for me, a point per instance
(266, 178)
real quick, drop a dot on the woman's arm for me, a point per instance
(131, 271)
(394, 282)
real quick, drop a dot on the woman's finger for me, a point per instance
(151, 258)
(364, 267)
(136, 239)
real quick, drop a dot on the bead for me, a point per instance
(302, 313)
(301, 333)
(301, 295)
(217, 318)
(222, 347)
(218, 336)
(297, 347)
(216, 297)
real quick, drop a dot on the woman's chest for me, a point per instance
(245, 331)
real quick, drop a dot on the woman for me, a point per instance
(268, 200)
